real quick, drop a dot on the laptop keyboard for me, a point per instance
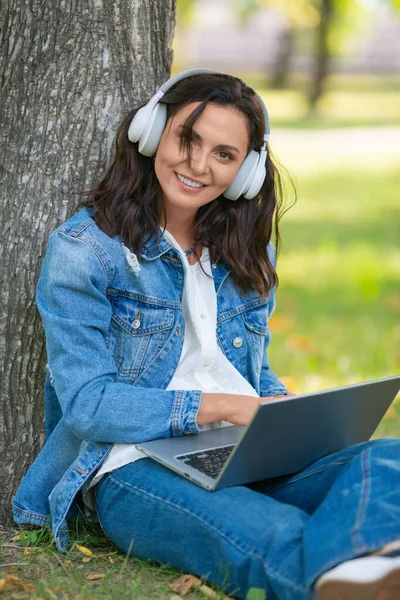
(209, 462)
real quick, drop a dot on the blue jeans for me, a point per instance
(279, 534)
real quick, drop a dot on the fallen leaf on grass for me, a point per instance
(13, 579)
(84, 550)
(16, 538)
(94, 576)
(207, 591)
(184, 584)
(67, 563)
(27, 550)
(86, 559)
(3, 585)
(112, 561)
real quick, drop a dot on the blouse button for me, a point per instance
(238, 342)
(136, 324)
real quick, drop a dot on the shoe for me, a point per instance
(365, 578)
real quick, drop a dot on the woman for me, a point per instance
(155, 298)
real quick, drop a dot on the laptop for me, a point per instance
(284, 436)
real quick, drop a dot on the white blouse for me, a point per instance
(202, 365)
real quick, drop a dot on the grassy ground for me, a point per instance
(337, 322)
(348, 102)
(92, 569)
(338, 306)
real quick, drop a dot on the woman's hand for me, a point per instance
(235, 409)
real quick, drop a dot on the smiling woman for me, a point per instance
(194, 178)
(200, 148)
(147, 340)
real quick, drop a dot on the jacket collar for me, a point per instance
(154, 248)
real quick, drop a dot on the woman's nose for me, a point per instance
(199, 161)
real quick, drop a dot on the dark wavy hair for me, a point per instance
(128, 200)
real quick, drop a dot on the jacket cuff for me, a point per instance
(274, 391)
(184, 412)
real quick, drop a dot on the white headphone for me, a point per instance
(149, 122)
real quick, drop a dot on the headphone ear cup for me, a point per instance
(258, 179)
(138, 123)
(147, 127)
(244, 176)
(150, 138)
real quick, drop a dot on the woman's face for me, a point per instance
(219, 146)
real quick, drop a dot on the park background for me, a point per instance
(335, 127)
(329, 72)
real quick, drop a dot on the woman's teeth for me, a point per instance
(189, 182)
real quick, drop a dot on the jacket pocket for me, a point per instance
(256, 323)
(139, 329)
(256, 320)
(242, 332)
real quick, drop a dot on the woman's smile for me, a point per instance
(190, 185)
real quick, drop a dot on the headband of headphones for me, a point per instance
(149, 122)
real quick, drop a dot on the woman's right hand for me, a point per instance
(235, 409)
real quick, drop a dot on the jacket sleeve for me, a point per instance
(269, 382)
(76, 315)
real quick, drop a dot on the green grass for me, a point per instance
(337, 108)
(351, 100)
(43, 573)
(348, 101)
(338, 305)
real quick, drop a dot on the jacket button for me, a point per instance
(136, 324)
(238, 342)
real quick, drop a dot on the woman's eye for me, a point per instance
(224, 155)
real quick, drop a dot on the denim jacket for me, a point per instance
(114, 334)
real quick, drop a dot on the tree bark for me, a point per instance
(68, 71)
(322, 54)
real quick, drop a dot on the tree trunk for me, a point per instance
(280, 70)
(322, 53)
(68, 70)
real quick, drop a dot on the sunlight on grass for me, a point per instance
(284, 105)
(338, 305)
(359, 269)
(337, 107)
(306, 152)
(382, 106)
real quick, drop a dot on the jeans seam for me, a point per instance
(243, 550)
(364, 497)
